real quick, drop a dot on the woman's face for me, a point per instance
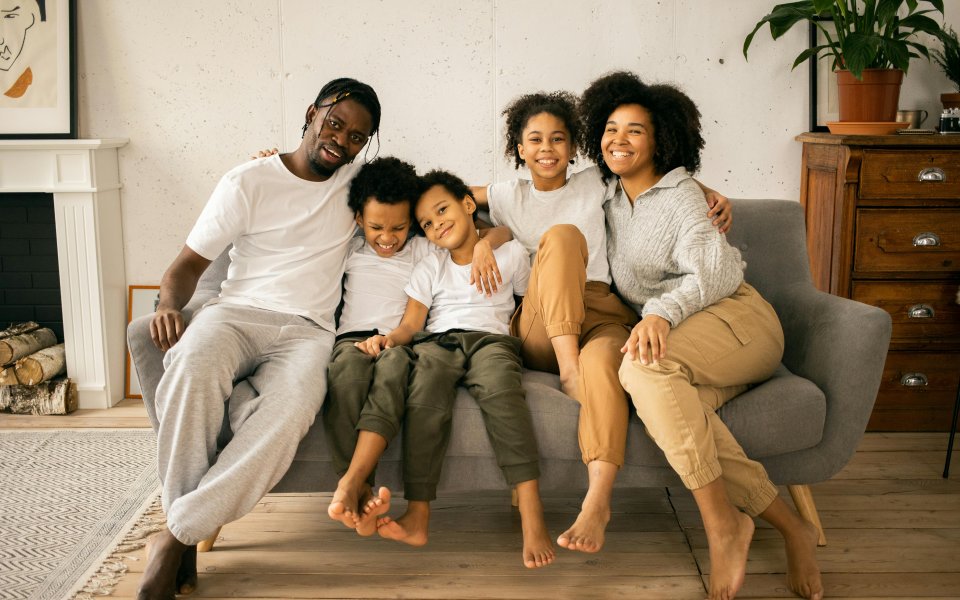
(628, 145)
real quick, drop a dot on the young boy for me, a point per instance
(367, 393)
(466, 340)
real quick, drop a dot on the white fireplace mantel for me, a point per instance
(83, 176)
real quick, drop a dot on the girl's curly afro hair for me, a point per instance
(562, 105)
(675, 119)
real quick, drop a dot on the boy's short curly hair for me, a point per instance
(561, 104)
(447, 181)
(675, 119)
(387, 179)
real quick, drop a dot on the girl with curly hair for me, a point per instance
(705, 334)
(569, 322)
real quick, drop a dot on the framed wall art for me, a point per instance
(824, 105)
(38, 69)
(141, 300)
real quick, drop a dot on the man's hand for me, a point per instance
(484, 272)
(649, 337)
(721, 210)
(166, 328)
(374, 344)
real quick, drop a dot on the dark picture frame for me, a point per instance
(823, 83)
(38, 99)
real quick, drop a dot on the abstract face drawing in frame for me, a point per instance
(17, 17)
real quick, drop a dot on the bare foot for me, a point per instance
(373, 508)
(803, 573)
(411, 528)
(187, 573)
(347, 499)
(587, 533)
(161, 575)
(728, 558)
(537, 546)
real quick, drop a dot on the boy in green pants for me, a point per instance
(466, 340)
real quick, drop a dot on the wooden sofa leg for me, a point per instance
(207, 544)
(803, 500)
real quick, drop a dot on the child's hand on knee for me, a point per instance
(374, 344)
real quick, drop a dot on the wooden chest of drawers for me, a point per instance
(883, 227)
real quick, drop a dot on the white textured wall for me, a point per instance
(197, 86)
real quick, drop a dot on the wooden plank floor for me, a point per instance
(892, 524)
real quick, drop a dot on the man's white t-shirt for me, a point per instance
(373, 296)
(289, 238)
(443, 286)
(529, 213)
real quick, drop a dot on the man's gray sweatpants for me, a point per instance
(284, 358)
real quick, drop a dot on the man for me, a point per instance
(273, 325)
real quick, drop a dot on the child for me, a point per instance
(367, 395)
(466, 340)
(570, 322)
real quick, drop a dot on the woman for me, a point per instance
(704, 334)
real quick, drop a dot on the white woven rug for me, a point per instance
(66, 499)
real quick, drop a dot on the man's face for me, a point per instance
(16, 17)
(336, 134)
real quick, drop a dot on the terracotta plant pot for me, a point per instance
(951, 100)
(874, 98)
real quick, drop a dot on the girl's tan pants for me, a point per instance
(560, 301)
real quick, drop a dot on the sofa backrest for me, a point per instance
(771, 236)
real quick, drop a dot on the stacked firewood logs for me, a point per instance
(32, 365)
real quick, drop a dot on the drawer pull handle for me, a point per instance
(926, 238)
(913, 380)
(921, 311)
(932, 174)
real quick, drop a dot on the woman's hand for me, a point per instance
(374, 344)
(649, 337)
(484, 272)
(721, 210)
(264, 153)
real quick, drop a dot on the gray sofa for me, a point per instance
(803, 424)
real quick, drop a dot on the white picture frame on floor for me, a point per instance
(141, 300)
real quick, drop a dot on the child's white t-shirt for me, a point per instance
(443, 286)
(373, 296)
(529, 213)
(289, 238)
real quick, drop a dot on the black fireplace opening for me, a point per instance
(29, 272)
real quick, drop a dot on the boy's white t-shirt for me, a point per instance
(373, 296)
(529, 213)
(289, 237)
(443, 286)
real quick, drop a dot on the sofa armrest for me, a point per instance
(841, 346)
(147, 359)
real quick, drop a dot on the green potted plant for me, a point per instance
(948, 59)
(869, 42)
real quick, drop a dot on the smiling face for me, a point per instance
(16, 17)
(546, 148)
(628, 142)
(335, 134)
(446, 220)
(385, 226)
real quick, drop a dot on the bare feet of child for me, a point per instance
(162, 578)
(537, 545)
(803, 573)
(411, 528)
(345, 506)
(728, 558)
(373, 507)
(588, 532)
